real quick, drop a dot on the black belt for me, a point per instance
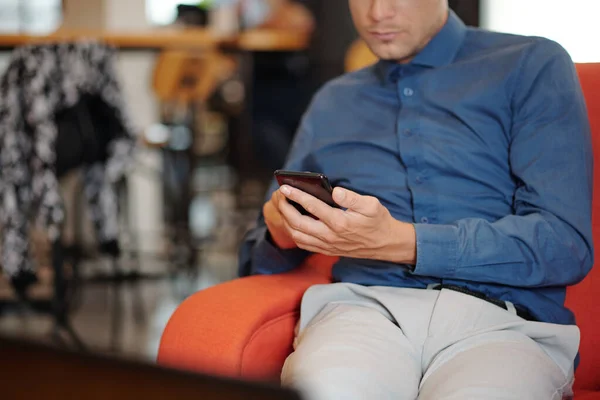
(521, 312)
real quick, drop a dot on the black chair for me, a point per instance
(84, 132)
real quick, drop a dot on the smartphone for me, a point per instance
(313, 183)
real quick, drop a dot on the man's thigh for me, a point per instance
(353, 352)
(497, 370)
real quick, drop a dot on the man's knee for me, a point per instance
(347, 382)
(353, 352)
(507, 371)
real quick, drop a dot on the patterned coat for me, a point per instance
(40, 81)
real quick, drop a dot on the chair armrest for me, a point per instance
(242, 329)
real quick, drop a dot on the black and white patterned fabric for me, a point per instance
(40, 81)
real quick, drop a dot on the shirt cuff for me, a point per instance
(437, 250)
(259, 256)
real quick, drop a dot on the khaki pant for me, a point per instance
(358, 342)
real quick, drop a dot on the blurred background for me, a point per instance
(208, 99)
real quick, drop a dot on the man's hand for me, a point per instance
(365, 230)
(275, 223)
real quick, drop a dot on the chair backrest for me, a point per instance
(181, 76)
(583, 298)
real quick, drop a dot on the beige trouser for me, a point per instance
(359, 342)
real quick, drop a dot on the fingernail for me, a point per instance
(286, 190)
(341, 193)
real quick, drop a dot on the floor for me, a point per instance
(127, 320)
(124, 320)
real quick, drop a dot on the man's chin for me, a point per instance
(389, 52)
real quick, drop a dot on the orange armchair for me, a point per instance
(244, 328)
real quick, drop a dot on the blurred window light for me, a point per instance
(9, 16)
(30, 16)
(573, 24)
(164, 12)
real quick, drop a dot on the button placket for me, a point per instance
(407, 130)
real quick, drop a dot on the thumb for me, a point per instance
(345, 198)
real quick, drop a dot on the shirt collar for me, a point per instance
(440, 51)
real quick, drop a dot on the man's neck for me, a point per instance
(430, 37)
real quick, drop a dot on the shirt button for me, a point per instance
(425, 220)
(408, 92)
(419, 179)
(407, 132)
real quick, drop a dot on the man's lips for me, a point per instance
(384, 36)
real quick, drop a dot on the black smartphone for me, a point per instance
(313, 183)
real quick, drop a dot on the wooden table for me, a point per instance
(272, 40)
(173, 38)
(151, 39)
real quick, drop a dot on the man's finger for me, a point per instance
(311, 204)
(309, 243)
(365, 205)
(305, 241)
(303, 223)
(277, 198)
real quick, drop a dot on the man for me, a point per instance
(287, 14)
(276, 75)
(284, 76)
(463, 167)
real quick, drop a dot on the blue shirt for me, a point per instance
(482, 142)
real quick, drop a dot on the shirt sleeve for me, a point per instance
(258, 254)
(547, 241)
